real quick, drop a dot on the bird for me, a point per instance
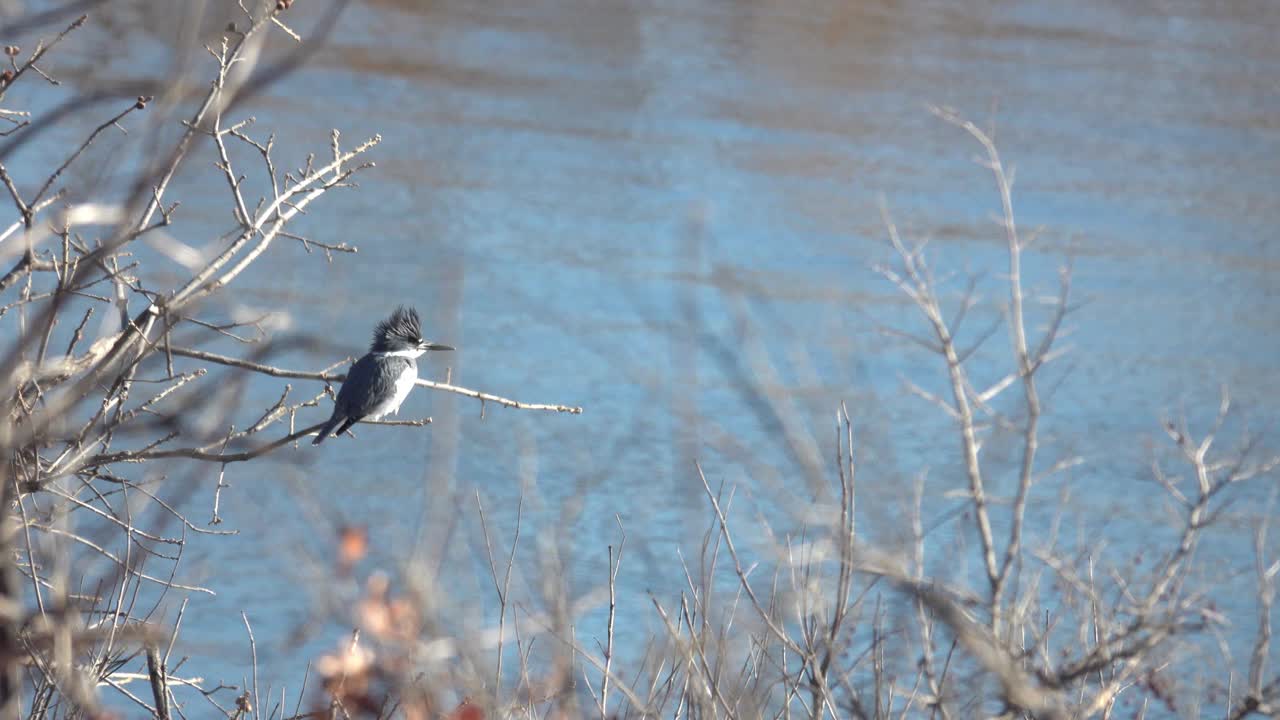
(378, 382)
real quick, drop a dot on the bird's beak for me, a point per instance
(436, 346)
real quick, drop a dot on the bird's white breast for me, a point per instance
(403, 385)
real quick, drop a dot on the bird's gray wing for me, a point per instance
(371, 380)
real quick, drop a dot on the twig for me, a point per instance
(486, 397)
(502, 589)
(253, 653)
(333, 377)
(53, 177)
(615, 562)
(159, 683)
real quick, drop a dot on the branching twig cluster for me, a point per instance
(110, 378)
(1050, 629)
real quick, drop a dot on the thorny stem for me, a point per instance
(917, 285)
(1026, 366)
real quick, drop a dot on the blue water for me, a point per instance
(559, 181)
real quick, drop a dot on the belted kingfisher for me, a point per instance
(382, 379)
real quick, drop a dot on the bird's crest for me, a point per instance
(403, 325)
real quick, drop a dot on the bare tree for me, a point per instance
(91, 534)
(839, 626)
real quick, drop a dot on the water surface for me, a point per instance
(560, 181)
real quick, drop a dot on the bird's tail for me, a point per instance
(328, 427)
